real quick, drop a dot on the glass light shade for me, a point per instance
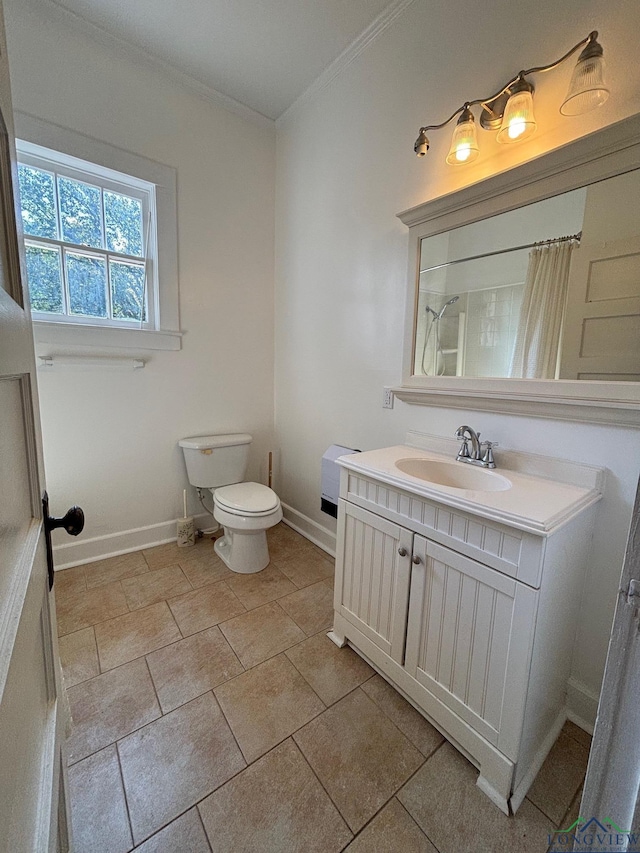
(464, 143)
(518, 121)
(587, 89)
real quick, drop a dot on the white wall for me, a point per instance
(110, 437)
(345, 167)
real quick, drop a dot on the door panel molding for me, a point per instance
(13, 605)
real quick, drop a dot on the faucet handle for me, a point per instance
(487, 457)
(463, 453)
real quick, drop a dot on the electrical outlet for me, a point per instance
(387, 398)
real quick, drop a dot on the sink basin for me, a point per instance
(454, 475)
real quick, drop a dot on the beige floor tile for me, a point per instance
(332, 672)
(153, 586)
(172, 763)
(109, 707)
(305, 567)
(83, 608)
(79, 656)
(266, 705)
(310, 608)
(171, 555)
(204, 607)
(115, 568)
(360, 757)
(577, 733)
(457, 817)
(275, 805)
(183, 835)
(569, 820)
(162, 555)
(135, 634)
(283, 542)
(98, 809)
(559, 778)
(204, 568)
(421, 733)
(191, 667)
(261, 634)
(69, 580)
(261, 587)
(392, 830)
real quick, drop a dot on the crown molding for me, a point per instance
(375, 29)
(144, 57)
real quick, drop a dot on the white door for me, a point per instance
(373, 570)
(612, 787)
(601, 338)
(33, 815)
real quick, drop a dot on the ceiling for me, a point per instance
(261, 53)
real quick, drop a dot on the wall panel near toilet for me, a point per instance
(110, 436)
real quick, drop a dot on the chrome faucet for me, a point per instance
(481, 453)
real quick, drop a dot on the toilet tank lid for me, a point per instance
(206, 442)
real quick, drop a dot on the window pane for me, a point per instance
(123, 223)
(44, 279)
(86, 278)
(127, 291)
(80, 213)
(38, 202)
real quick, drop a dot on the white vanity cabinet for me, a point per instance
(471, 619)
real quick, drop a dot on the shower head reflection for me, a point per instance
(438, 316)
(446, 304)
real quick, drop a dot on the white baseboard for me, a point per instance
(582, 705)
(311, 530)
(79, 552)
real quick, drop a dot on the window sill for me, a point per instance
(105, 336)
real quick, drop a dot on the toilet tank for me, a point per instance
(216, 460)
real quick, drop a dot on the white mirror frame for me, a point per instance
(601, 155)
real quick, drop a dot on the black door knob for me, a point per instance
(72, 522)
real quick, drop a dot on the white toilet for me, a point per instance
(245, 510)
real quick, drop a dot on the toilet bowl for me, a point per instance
(246, 511)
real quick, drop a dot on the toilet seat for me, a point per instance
(246, 499)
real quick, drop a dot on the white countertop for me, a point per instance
(534, 504)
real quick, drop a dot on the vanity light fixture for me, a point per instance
(510, 111)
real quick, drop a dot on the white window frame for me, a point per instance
(91, 174)
(83, 158)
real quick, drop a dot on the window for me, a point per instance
(100, 233)
(89, 241)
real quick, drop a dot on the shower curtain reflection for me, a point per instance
(537, 345)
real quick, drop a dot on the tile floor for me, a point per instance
(211, 713)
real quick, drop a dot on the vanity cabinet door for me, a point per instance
(373, 569)
(470, 634)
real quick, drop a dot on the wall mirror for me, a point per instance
(524, 289)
